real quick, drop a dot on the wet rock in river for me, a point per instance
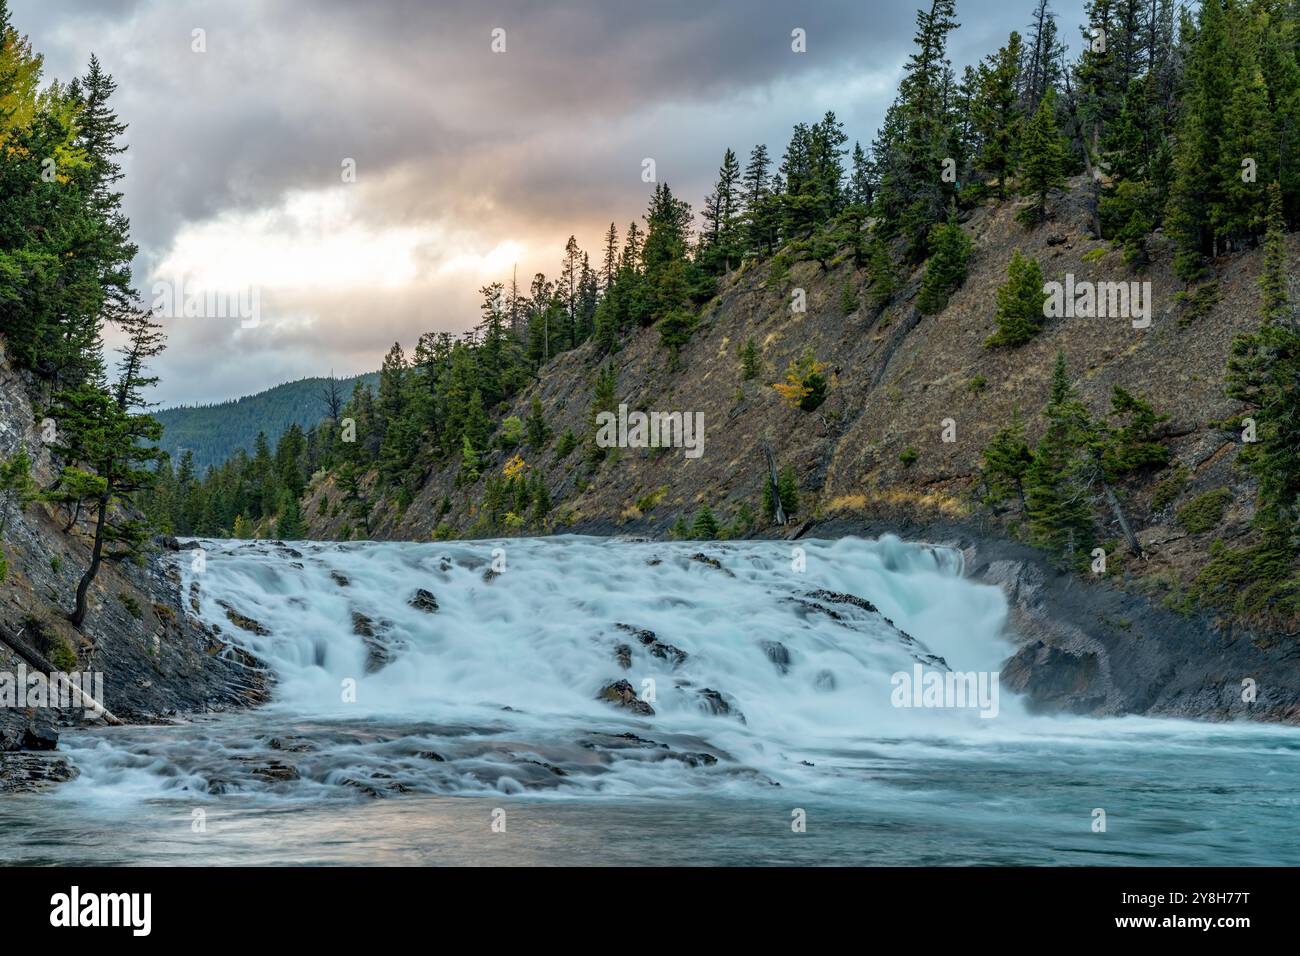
(778, 654)
(622, 694)
(717, 703)
(243, 621)
(424, 600)
(276, 771)
(651, 642)
(25, 772)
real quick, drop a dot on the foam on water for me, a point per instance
(541, 636)
(496, 691)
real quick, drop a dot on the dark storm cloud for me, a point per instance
(529, 145)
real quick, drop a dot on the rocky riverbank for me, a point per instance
(1105, 648)
(157, 663)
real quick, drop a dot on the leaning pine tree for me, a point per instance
(118, 437)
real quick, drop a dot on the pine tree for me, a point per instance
(1056, 482)
(1198, 158)
(705, 526)
(568, 441)
(397, 423)
(862, 184)
(1238, 213)
(569, 278)
(880, 268)
(787, 487)
(1020, 303)
(1006, 460)
(17, 489)
(469, 460)
(539, 433)
(1132, 446)
(1138, 158)
(289, 526)
(541, 500)
(675, 330)
(1263, 370)
(1042, 159)
(916, 137)
(720, 241)
(946, 269)
(996, 113)
(477, 425)
(760, 218)
(118, 438)
(750, 361)
(1099, 75)
(666, 287)
(1042, 55)
(588, 301)
(609, 268)
(604, 392)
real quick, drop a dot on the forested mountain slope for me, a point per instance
(212, 433)
(897, 381)
(1053, 300)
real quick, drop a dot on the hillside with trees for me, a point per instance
(212, 433)
(65, 274)
(77, 440)
(875, 316)
(862, 326)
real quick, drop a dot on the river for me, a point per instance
(400, 732)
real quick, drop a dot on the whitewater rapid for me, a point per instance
(478, 668)
(535, 625)
(760, 660)
(421, 691)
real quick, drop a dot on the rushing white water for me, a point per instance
(771, 670)
(754, 660)
(541, 635)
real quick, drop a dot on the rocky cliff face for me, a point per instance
(897, 379)
(156, 662)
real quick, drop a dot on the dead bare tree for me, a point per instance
(774, 482)
(332, 397)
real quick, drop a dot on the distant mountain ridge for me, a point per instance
(215, 432)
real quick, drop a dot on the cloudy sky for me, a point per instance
(467, 161)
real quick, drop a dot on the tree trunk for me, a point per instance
(37, 660)
(1094, 184)
(779, 515)
(96, 557)
(76, 513)
(1112, 499)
